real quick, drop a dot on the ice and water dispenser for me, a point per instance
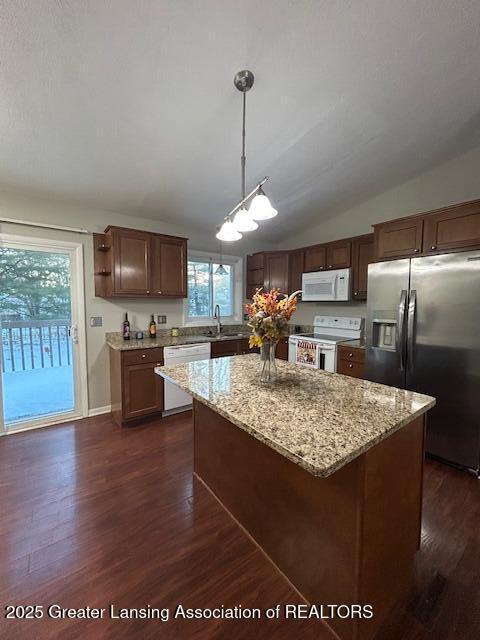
(384, 330)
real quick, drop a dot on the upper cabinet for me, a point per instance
(339, 254)
(133, 263)
(296, 267)
(169, 266)
(362, 256)
(316, 258)
(255, 273)
(399, 238)
(453, 228)
(276, 270)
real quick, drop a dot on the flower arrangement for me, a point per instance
(268, 315)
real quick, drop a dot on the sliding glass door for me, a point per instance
(42, 330)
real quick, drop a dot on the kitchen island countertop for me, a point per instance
(318, 420)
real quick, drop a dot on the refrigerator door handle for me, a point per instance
(412, 310)
(401, 328)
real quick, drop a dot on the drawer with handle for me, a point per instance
(348, 368)
(353, 354)
(140, 356)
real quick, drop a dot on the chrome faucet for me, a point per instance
(216, 316)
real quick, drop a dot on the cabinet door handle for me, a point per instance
(416, 250)
(148, 291)
(350, 366)
(350, 355)
(330, 266)
(433, 247)
(159, 292)
(159, 364)
(144, 355)
(355, 293)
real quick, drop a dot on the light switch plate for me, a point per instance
(96, 321)
(161, 319)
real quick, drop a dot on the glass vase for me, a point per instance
(269, 368)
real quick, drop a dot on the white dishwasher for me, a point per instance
(176, 399)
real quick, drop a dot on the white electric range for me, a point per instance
(318, 350)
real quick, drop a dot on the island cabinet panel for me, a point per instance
(136, 391)
(339, 254)
(296, 267)
(362, 256)
(169, 266)
(276, 271)
(139, 264)
(316, 258)
(347, 538)
(131, 262)
(453, 229)
(399, 239)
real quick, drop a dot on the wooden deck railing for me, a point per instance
(39, 344)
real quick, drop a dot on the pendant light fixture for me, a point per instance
(240, 219)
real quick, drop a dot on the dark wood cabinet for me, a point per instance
(255, 273)
(399, 238)
(339, 254)
(136, 390)
(282, 349)
(296, 267)
(454, 228)
(351, 361)
(234, 347)
(169, 266)
(362, 256)
(133, 263)
(316, 258)
(276, 271)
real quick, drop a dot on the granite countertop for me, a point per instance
(119, 344)
(318, 420)
(355, 344)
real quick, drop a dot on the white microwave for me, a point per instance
(326, 286)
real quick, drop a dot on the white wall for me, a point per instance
(455, 181)
(27, 208)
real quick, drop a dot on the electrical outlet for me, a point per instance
(96, 321)
(161, 319)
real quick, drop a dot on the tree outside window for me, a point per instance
(206, 289)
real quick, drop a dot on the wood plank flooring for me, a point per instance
(91, 515)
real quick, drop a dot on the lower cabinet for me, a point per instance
(282, 349)
(231, 348)
(351, 361)
(136, 390)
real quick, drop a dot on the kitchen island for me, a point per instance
(323, 471)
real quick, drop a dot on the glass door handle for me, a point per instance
(73, 333)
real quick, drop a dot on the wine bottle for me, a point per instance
(152, 328)
(126, 328)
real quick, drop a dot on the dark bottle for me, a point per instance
(126, 328)
(152, 328)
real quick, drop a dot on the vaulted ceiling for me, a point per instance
(130, 106)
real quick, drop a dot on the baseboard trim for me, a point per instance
(98, 411)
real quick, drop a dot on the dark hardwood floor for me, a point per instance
(91, 515)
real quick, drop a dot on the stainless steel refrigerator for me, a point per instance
(423, 334)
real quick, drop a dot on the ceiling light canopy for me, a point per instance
(240, 219)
